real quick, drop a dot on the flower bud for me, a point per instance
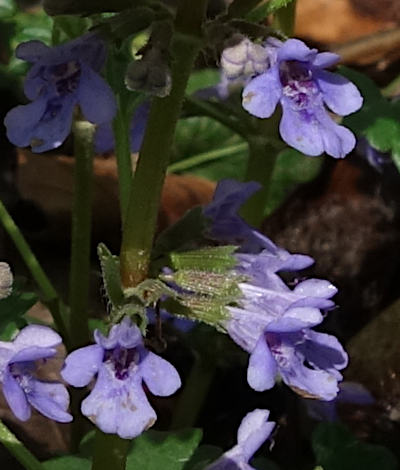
(150, 74)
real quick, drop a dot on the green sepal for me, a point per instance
(110, 268)
(198, 308)
(218, 259)
(135, 311)
(149, 291)
(221, 286)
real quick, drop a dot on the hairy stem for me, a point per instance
(49, 295)
(140, 224)
(80, 256)
(81, 233)
(141, 216)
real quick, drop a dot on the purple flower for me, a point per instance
(104, 137)
(226, 226)
(253, 431)
(21, 388)
(298, 81)
(60, 78)
(272, 322)
(117, 404)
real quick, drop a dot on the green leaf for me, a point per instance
(266, 8)
(155, 450)
(7, 8)
(212, 150)
(12, 310)
(336, 448)
(110, 269)
(203, 456)
(201, 79)
(291, 168)
(378, 120)
(217, 259)
(68, 27)
(67, 463)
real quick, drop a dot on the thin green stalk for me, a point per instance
(18, 450)
(121, 126)
(194, 394)
(80, 256)
(110, 452)
(81, 233)
(204, 157)
(140, 224)
(49, 294)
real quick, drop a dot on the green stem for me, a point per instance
(110, 452)
(49, 294)
(194, 394)
(263, 152)
(81, 233)
(140, 224)
(121, 127)
(18, 450)
(204, 157)
(284, 19)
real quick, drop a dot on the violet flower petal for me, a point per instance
(316, 288)
(301, 130)
(294, 49)
(262, 94)
(117, 406)
(95, 97)
(82, 364)
(339, 94)
(159, 375)
(51, 400)
(31, 51)
(15, 397)
(253, 431)
(37, 335)
(262, 370)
